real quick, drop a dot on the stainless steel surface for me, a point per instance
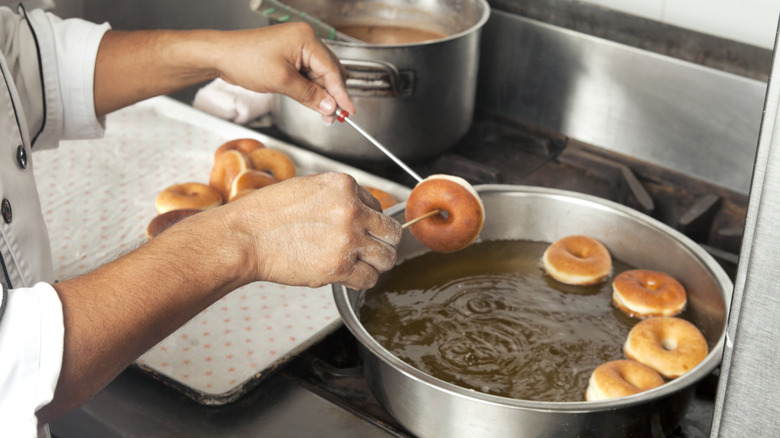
(342, 116)
(692, 119)
(132, 406)
(646, 33)
(429, 407)
(749, 389)
(377, 79)
(438, 105)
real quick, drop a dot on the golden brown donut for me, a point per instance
(643, 293)
(162, 222)
(275, 162)
(577, 260)
(248, 181)
(227, 166)
(385, 199)
(461, 216)
(244, 145)
(621, 378)
(188, 195)
(672, 346)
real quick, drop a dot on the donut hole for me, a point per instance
(269, 171)
(579, 252)
(633, 380)
(669, 344)
(444, 214)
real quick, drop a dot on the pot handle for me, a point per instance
(377, 79)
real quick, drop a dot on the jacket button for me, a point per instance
(21, 156)
(6, 211)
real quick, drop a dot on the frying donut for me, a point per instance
(385, 199)
(162, 222)
(672, 346)
(577, 260)
(621, 378)
(642, 293)
(248, 181)
(227, 166)
(461, 213)
(188, 195)
(244, 145)
(275, 162)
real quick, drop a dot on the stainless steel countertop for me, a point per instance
(135, 405)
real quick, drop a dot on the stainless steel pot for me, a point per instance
(418, 99)
(429, 407)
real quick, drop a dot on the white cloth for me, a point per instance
(39, 105)
(231, 102)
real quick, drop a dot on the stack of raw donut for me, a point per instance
(661, 346)
(240, 167)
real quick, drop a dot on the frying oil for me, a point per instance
(490, 319)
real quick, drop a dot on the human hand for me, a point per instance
(318, 230)
(288, 59)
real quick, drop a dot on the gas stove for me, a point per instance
(498, 150)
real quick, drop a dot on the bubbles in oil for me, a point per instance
(488, 318)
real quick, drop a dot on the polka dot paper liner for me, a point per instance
(97, 197)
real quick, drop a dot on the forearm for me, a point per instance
(119, 311)
(286, 58)
(133, 66)
(307, 231)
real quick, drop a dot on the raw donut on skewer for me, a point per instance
(621, 378)
(460, 218)
(188, 195)
(672, 346)
(577, 260)
(643, 293)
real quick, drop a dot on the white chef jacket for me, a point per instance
(47, 66)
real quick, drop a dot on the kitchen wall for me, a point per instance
(749, 21)
(752, 22)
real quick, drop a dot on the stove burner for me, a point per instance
(503, 151)
(631, 192)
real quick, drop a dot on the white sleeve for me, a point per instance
(31, 346)
(68, 50)
(77, 46)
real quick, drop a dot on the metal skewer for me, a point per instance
(342, 116)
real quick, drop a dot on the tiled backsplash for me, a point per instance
(748, 21)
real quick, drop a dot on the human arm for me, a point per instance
(120, 310)
(306, 231)
(288, 59)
